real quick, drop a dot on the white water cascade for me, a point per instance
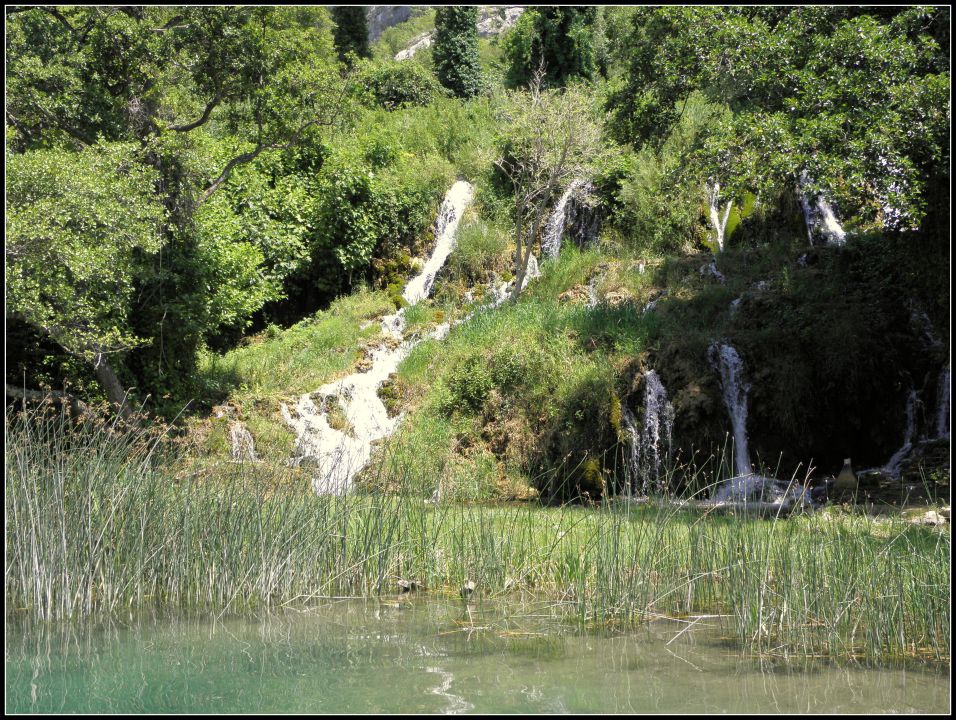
(554, 227)
(728, 364)
(651, 445)
(942, 404)
(499, 292)
(339, 453)
(892, 467)
(720, 224)
(819, 216)
(454, 204)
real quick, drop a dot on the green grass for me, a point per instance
(97, 524)
(519, 398)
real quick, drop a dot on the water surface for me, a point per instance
(428, 656)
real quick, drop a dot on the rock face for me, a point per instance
(495, 19)
(584, 216)
(241, 442)
(419, 43)
(382, 17)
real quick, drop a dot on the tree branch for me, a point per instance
(78, 408)
(210, 106)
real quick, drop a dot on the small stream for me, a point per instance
(412, 654)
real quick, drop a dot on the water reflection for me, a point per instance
(427, 656)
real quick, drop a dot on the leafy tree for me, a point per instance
(550, 139)
(455, 49)
(351, 31)
(561, 38)
(199, 93)
(852, 97)
(76, 224)
(397, 85)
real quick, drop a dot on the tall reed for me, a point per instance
(97, 521)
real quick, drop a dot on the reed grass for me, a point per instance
(97, 522)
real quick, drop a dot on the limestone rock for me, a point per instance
(241, 442)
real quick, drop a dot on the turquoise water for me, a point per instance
(428, 656)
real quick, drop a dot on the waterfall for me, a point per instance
(892, 466)
(339, 453)
(750, 489)
(720, 224)
(727, 362)
(652, 443)
(499, 292)
(819, 216)
(633, 460)
(554, 228)
(942, 404)
(452, 208)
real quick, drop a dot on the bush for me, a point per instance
(397, 85)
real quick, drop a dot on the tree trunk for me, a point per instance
(114, 388)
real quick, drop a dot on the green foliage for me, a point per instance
(369, 201)
(401, 84)
(660, 194)
(77, 224)
(851, 96)
(200, 92)
(519, 45)
(351, 31)
(561, 39)
(479, 251)
(455, 50)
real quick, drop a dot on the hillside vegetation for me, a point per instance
(213, 212)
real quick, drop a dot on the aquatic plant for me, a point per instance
(98, 520)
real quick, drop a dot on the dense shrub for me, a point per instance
(397, 85)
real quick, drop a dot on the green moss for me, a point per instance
(614, 415)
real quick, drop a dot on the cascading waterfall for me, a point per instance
(454, 204)
(720, 224)
(892, 467)
(651, 445)
(554, 227)
(728, 364)
(499, 292)
(339, 453)
(942, 404)
(819, 216)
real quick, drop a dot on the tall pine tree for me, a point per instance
(455, 50)
(351, 31)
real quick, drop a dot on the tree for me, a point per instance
(559, 37)
(76, 222)
(852, 98)
(550, 140)
(351, 31)
(455, 49)
(189, 96)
